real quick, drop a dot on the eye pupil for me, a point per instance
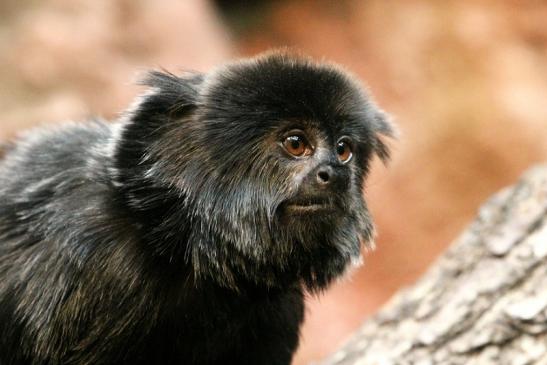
(296, 145)
(344, 151)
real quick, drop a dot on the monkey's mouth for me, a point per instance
(308, 205)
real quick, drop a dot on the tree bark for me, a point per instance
(483, 302)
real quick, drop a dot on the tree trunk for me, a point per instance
(483, 302)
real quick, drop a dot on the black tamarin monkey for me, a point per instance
(188, 231)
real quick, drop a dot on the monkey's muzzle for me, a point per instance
(309, 205)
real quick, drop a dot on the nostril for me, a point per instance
(323, 177)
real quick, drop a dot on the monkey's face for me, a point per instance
(321, 174)
(270, 164)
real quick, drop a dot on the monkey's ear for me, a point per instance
(168, 98)
(170, 95)
(383, 127)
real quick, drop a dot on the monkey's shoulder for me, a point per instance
(63, 152)
(54, 186)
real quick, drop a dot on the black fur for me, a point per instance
(167, 237)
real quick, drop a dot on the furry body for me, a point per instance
(171, 235)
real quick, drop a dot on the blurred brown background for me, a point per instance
(465, 80)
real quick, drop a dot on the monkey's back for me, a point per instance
(53, 193)
(48, 177)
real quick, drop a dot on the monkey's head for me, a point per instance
(256, 169)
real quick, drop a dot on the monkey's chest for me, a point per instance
(241, 332)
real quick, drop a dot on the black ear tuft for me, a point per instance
(170, 95)
(170, 98)
(383, 127)
(187, 84)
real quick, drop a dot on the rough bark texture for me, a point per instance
(483, 302)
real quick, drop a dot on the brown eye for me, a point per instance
(296, 145)
(343, 150)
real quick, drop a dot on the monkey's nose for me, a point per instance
(331, 178)
(325, 175)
